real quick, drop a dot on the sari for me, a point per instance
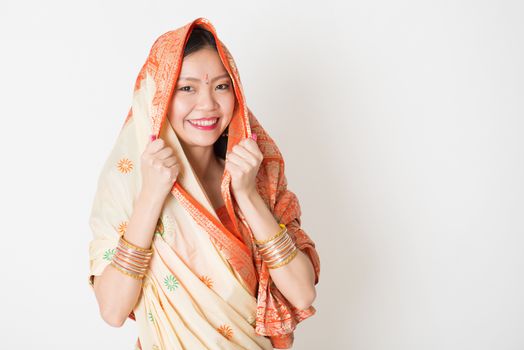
(207, 286)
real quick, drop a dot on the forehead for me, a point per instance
(201, 62)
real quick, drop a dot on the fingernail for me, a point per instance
(153, 137)
(254, 136)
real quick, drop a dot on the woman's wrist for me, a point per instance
(151, 198)
(247, 197)
(147, 210)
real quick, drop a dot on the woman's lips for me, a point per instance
(204, 123)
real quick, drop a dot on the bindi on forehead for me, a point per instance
(206, 78)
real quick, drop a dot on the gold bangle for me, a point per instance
(278, 243)
(277, 246)
(280, 258)
(127, 266)
(131, 256)
(130, 245)
(138, 266)
(130, 262)
(133, 275)
(286, 261)
(133, 252)
(264, 242)
(282, 254)
(277, 251)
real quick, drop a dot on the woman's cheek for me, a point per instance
(228, 103)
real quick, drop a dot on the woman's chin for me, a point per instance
(199, 140)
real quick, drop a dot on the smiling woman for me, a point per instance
(196, 236)
(202, 106)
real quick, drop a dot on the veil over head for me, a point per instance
(207, 287)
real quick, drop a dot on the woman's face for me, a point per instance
(203, 99)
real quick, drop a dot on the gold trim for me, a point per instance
(280, 233)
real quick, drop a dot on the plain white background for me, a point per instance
(401, 123)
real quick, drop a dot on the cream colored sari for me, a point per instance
(207, 287)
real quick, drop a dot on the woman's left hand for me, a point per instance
(242, 163)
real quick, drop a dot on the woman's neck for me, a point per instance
(203, 161)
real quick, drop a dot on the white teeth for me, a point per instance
(204, 122)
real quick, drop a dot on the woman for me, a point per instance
(196, 236)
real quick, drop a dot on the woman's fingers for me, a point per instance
(155, 146)
(164, 153)
(164, 163)
(233, 168)
(252, 146)
(160, 168)
(240, 162)
(157, 163)
(169, 162)
(242, 152)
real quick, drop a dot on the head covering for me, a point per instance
(207, 287)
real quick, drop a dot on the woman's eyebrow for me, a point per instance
(195, 79)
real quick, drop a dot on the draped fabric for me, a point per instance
(207, 287)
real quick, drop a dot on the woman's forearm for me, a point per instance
(296, 280)
(116, 293)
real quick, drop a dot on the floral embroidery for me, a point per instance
(122, 227)
(150, 316)
(124, 165)
(108, 254)
(171, 282)
(207, 281)
(226, 331)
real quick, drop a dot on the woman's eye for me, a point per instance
(183, 88)
(225, 86)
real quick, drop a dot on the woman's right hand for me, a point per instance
(160, 169)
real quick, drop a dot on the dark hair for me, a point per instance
(201, 38)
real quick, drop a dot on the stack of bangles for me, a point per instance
(278, 250)
(131, 260)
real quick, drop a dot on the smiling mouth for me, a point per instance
(204, 121)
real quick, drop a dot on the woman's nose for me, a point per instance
(206, 100)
